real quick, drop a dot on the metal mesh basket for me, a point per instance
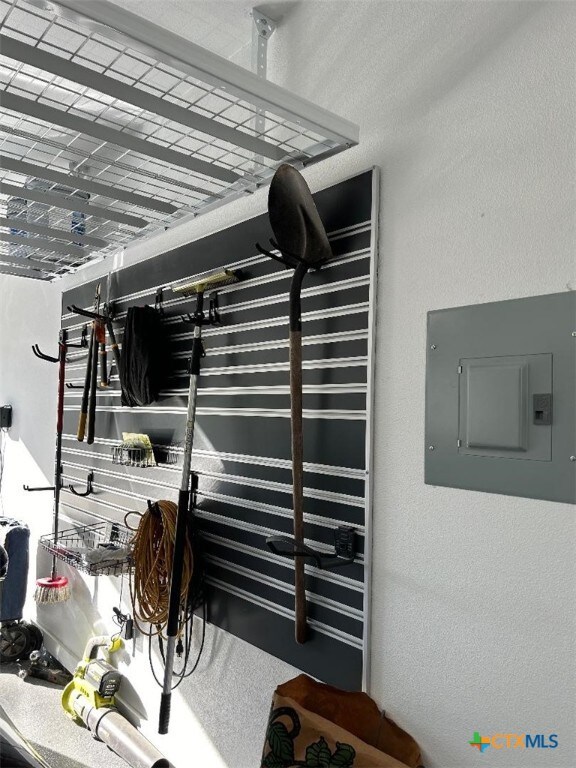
(132, 456)
(97, 549)
(165, 454)
(135, 456)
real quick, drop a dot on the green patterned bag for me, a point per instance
(314, 725)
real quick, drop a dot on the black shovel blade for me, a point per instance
(295, 221)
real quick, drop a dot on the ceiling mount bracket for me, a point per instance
(262, 30)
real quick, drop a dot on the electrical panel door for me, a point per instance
(500, 397)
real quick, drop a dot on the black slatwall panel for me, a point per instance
(242, 439)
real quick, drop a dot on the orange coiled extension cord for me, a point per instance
(153, 548)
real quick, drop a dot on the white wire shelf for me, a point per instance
(112, 128)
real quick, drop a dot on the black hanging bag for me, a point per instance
(144, 360)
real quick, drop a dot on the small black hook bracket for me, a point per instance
(287, 260)
(344, 549)
(159, 301)
(110, 310)
(43, 488)
(199, 317)
(89, 488)
(83, 339)
(153, 508)
(213, 313)
(194, 477)
(74, 386)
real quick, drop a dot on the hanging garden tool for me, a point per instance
(198, 319)
(103, 324)
(303, 245)
(90, 377)
(91, 419)
(54, 588)
(100, 331)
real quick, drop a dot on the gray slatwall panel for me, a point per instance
(242, 451)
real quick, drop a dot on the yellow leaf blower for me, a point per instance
(89, 699)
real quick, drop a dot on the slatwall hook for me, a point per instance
(153, 508)
(213, 313)
(194, 479)
(110, 310)
(74, 386)
(159, 301)
(89, 488)
(42, 356)
(85, 313)
(43, 488)
(344, 549)
(284, 259)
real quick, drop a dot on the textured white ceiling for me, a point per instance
(222, 26)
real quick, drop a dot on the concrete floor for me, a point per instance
(34, 707)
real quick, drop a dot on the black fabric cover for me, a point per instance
(3, 562)
(14, 537)
(144, 358)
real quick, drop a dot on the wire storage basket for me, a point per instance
(132, 456)
(166, 455)
(99, 549)
(140, 456)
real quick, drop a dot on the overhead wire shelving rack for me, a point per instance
(112, 129)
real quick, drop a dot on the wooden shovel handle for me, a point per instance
(297, 481)
(301, 629)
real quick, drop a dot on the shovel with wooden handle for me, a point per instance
(303, 245)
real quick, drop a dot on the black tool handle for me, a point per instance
(177, 563)
(101, 335)
(164, 719)
(113, 344)
(92, 396)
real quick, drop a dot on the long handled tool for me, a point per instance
(86, 391)
(106, 320)
(91, 422)
(55, 589)
(198, 319)
(303, 245)
(88, 403)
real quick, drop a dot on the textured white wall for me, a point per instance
(468, 108)
(29, 314)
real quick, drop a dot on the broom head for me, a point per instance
(210, 283)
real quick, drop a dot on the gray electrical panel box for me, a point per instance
(501, 397)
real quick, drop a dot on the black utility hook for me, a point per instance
(89, 488)
(64, 345)
(344, 549)
(42, 356)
